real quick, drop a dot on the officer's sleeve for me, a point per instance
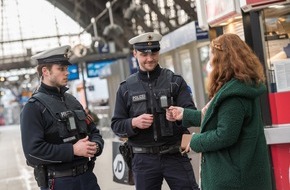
(121, 123)
(36, 149)
(96, 137)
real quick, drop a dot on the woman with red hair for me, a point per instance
(232, 141)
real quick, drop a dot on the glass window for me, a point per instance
(187, 70)
(277, 42)
(204, 58)
(169, 62)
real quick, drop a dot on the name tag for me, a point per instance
(69, 139)
(139, 98)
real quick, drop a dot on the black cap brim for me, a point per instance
(147, 46)
(149, 50)
(57, 59)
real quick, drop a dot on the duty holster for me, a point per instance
(127, 153)
(91, 165)
(41, 177)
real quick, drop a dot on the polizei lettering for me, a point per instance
(139, 98)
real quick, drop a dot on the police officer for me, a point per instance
(140, 115)
(59, 139)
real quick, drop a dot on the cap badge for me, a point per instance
(67, 54)
(149, 43)
(149, 37)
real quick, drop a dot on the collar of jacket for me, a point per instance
(143, 75)
(235, 87)
(52, 90)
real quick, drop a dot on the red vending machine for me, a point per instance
(278, 135)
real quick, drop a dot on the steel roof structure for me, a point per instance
(131, 17)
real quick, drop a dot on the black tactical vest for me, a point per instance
(154, 100)
(69, 123)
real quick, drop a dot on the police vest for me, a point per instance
(154, 100)
(69, 123)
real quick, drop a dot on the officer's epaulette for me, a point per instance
(31, 100)
(176, 75)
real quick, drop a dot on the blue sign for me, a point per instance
(133, 64)
(73, 71)
(200, 34)
(94, 68)
(104, 48)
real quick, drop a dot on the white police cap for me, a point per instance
(58, 55)
(147, 42)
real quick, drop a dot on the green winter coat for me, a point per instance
(232, 141)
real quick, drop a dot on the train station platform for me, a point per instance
(16, 175)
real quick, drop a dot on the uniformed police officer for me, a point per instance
(59, 139)
(140, 115)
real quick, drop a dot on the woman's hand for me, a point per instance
(174, 113)
(187, 149)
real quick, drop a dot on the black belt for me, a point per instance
(157, 150)
(75, 171)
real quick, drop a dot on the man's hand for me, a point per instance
(85, 148)
(143, 121)
(169, 115)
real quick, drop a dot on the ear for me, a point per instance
(45, 71)
(134, 53)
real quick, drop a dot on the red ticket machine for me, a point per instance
(278, 138)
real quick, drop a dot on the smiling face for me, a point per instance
(57, 76)
(147, 61)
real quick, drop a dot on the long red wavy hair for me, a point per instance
(233, 58)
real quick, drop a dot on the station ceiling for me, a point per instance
(83, 10)
(162, 16)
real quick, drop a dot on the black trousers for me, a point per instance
(149, 170)
(86, 181)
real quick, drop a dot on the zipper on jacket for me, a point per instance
(152, 107)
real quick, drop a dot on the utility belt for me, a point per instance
(75, 171)
(173, 149)
(44, 174)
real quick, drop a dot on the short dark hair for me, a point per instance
(39, 68)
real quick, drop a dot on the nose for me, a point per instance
(149, 56)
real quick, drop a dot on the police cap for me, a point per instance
(147, 42)
(59, 55)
